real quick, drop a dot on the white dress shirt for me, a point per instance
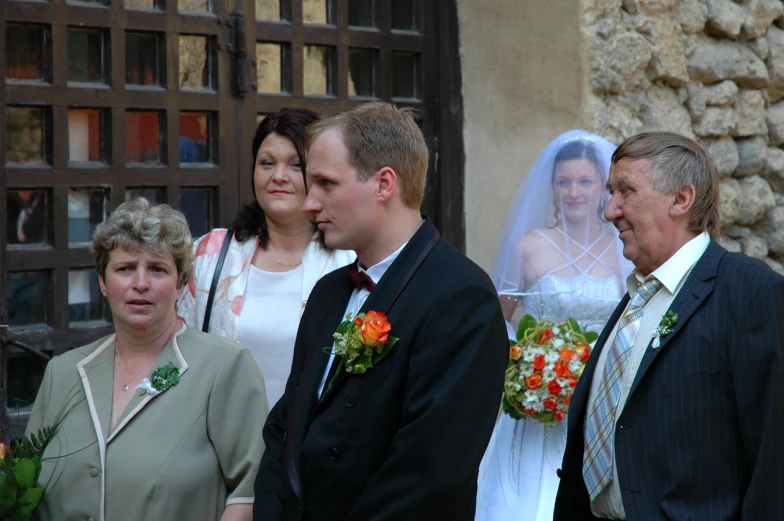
(358, 298)
(671, 274)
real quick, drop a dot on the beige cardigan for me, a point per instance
(185, 453)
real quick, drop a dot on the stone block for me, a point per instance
(775, 120)
(756, 199)
(760, 47)
(773, 168)
(754, 246)
(730, 200)
(750, 111)
(724, 152)
(691, 15)
(751, 156)
(736, 232)
(761, 14)
(717, 95)
(664, 112)
(725, 17)
(774, 265)
(657, 6)
(715, 121)
(775, 63)
(771, 228)
(669, 60)
(716, 60)
(730, 244)
(615, 119)
(618, 64)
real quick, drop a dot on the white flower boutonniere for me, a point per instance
(664, 328)
(147, 387)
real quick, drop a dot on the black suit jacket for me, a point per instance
(404, 440)
(701, 434)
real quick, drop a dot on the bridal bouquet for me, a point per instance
(544, 365)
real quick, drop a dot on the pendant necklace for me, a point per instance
(125, 386)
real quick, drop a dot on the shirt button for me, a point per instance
(94, 472)
(334, 454)
(351, 401)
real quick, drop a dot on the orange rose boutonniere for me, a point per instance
(361, 343)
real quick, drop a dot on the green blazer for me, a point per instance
(185, 453)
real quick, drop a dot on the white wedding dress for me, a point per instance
(517, 476)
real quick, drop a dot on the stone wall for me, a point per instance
(712, 70)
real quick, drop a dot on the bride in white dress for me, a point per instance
(557, 258)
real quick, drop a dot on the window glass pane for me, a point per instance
(142, 137)
(84, 296)
(196, 204)
(361, 72)
(25, 373)
(86, 55)
(194, 5)
(144, 4)
(195, 137)
(268, 9)
(97, 2)
(195, 62)
(317, 70)
(154, 195)
(314, 11)
(27, 53)
(86, 210)
(27, 295)
(84, 135)
(24, 135)
(270, 67)
(405, 75)
(27, 221)
(360, 13)
(403, 15)
(142, 59)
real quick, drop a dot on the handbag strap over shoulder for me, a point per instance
(216, 278)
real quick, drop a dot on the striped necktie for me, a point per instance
(600, 423)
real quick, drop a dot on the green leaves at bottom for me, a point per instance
(30, 500)
(26, 472)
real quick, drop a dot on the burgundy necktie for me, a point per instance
(360, 279)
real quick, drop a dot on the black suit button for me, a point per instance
(350, 400)
(281, 498)
(334, 454)
(558, 473)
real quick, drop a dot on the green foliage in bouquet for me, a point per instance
(20, 468)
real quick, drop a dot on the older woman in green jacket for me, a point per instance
(163, 422)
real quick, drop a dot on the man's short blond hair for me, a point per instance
(379, 135)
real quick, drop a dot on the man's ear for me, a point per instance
(387, 183)
(684, 200)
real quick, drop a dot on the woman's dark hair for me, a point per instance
(290, 123)
(579, 149)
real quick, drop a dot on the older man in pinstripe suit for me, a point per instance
(678, 414)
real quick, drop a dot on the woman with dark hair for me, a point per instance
(274, 259)
(558, 258)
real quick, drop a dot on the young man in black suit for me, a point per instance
(402, 441)
(678, 414)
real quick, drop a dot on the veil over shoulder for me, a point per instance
(557, 265)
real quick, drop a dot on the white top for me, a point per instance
(358, 298)
(672, 275)
(271, 309)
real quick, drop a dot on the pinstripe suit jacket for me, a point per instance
(701, 436)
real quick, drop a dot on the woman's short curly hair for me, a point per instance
(138, 225)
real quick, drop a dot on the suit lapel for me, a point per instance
(393, 282)
(97, 376)
(580, 395)
(695, 290)
(170, 353)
